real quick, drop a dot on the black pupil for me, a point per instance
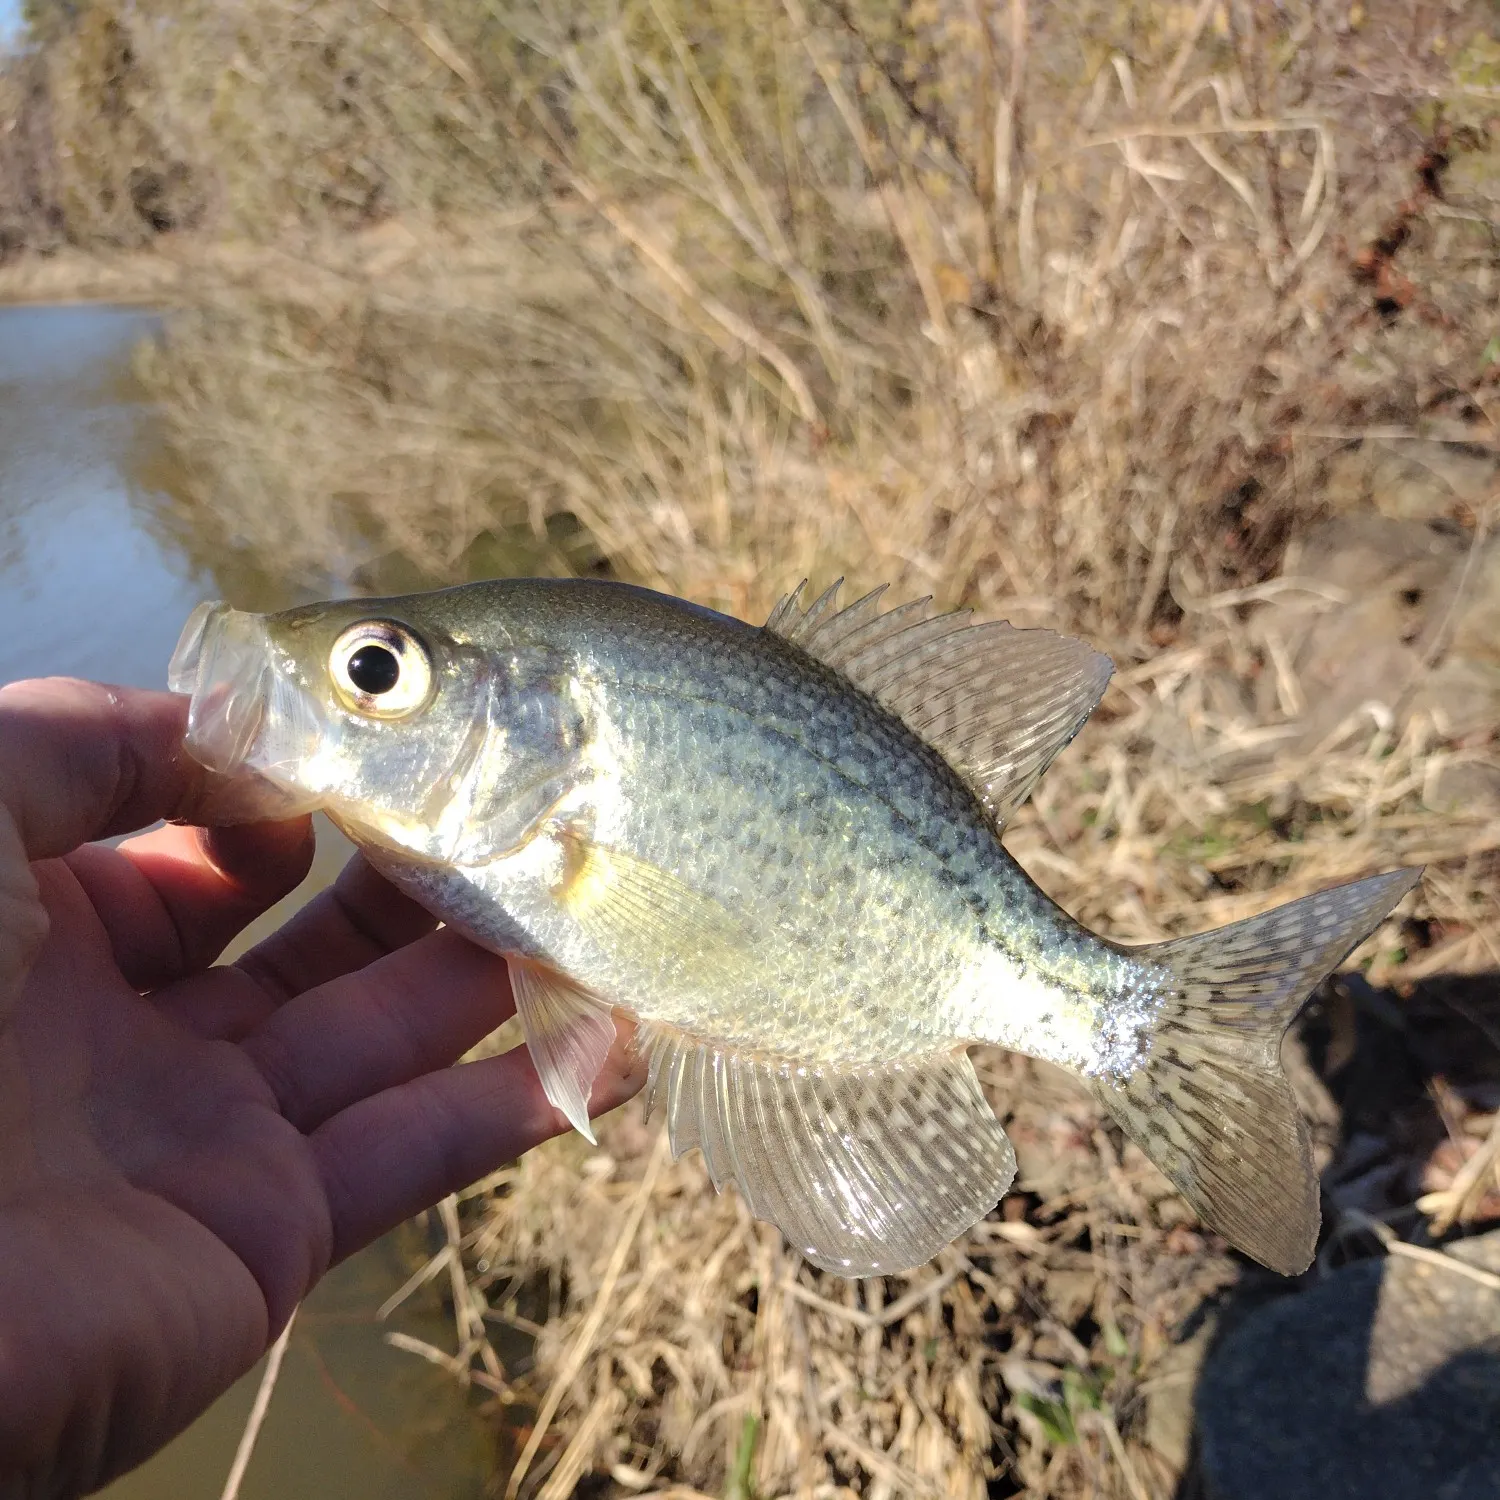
(374, 670)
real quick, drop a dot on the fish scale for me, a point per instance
(778, 851)
(825, 870)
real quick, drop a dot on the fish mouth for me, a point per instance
(246, 720)
(223, 661)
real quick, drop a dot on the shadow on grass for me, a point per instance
(1370, 1376)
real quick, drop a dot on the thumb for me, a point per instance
(81, 761)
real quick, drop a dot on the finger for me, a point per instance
(360, 918)
(24, 920)
(79, 761)
(392, 1155)
(171, 899)
(413, 1011)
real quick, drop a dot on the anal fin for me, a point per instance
(867, 1170)
(569, 1033)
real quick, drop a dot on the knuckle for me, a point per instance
(35, 694)
(24, 923)
(77, 732)
(276, 1063)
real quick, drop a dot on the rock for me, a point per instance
(1471, 604)
(1384, 1379)
(1169, 1400)
(1349, 641)
(1369, 552)
(1465, 786)
(1461, 696)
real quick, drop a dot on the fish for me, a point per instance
(777, 852)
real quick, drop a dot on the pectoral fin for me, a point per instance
(569, 1033)
(649, 918)
(866, 1170)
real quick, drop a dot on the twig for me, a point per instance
(1395, 1246)
(1270, 589)
(417, 1279)
(855, 1315)
(258, 1410)
(912, 1298)
(1162, 131)
(1173, 76)
(915, 1296)
(1448, 1262)
(1105, 1422)
(602, 1415)
(1452, 1202)
(590, 1330)
(881, 1465)
(456, 1367)
(1156, 573)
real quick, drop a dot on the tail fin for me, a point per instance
(1211, 1105)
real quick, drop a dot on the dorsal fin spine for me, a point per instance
(995, 702)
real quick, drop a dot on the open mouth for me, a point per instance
(223, 660)
(246, 722)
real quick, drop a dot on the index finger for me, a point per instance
(81, 761)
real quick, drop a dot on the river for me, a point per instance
(91, 585)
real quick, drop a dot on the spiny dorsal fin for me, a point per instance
(866, 1170)
(995, 702)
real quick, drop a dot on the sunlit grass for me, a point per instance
(1053, 314)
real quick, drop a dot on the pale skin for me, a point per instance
(186, 1149)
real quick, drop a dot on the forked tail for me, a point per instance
(1211, 1105)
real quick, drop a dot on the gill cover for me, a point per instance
(497, 745)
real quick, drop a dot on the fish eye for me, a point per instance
(381, 669)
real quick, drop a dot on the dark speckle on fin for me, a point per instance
(1211, 1105)
(996, 702)
(866, 1170)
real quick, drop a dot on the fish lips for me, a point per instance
(245, 719)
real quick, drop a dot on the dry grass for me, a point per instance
(1078, 315)
(705, 1327)
(734, 351)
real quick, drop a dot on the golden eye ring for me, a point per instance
(381, 670)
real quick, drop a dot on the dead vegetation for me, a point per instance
(1102, 318)
(704, 1356)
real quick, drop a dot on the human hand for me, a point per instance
(186, 1149)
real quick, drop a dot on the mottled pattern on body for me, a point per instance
(779, 850)
(880, 911)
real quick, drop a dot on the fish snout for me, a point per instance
(224, 661)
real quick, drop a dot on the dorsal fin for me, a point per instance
(995, 702)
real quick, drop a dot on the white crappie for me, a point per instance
(778, 850)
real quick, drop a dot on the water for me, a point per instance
(91, 585)
(83, 589)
